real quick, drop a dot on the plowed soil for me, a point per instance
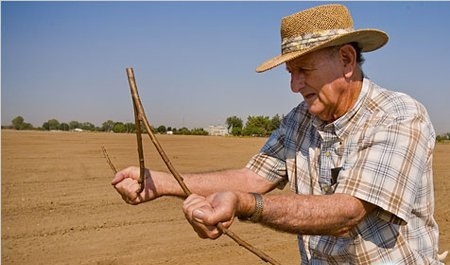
(58, 206)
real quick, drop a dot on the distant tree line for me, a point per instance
(261, 126)
(443, 137)
(255, 126)
(18, 123)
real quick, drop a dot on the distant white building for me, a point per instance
(217, 130)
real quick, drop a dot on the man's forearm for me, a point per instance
(207, 183)
(308, 214)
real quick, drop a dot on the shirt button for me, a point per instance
(327, 153)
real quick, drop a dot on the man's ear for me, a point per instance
(348, 57)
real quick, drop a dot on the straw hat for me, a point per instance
(320, 27)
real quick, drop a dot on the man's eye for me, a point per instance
(300, 69)
(306, 69)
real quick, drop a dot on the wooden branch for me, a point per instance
(108, 160)
(141, 117)
(144, 120)
(137, 122)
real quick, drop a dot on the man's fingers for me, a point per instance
(128, 188)
(117, 178)
(202, 215)
(192, 203)
(130, 172)
(196, 210)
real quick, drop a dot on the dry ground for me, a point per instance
(58, 206)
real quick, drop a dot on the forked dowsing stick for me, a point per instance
(140, 117)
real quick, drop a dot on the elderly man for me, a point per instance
(357, 156)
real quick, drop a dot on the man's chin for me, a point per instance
(317, 113)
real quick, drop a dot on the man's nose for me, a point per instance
(297, 81)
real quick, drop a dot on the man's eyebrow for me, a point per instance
(303, 66)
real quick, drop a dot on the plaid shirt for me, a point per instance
(380, 152)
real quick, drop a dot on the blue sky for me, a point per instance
(195, 61)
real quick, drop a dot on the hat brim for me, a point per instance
(368, 40)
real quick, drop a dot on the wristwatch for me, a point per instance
(259, 205)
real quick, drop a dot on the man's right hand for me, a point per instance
(126, 183)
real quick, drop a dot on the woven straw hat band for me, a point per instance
(313, 26)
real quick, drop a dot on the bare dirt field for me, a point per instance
(58, 206)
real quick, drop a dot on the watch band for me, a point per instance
(259, 205)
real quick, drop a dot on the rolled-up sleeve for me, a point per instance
(270, 168)
(391, 166)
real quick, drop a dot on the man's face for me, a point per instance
(319, 77)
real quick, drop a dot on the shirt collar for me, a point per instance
(338, 127)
